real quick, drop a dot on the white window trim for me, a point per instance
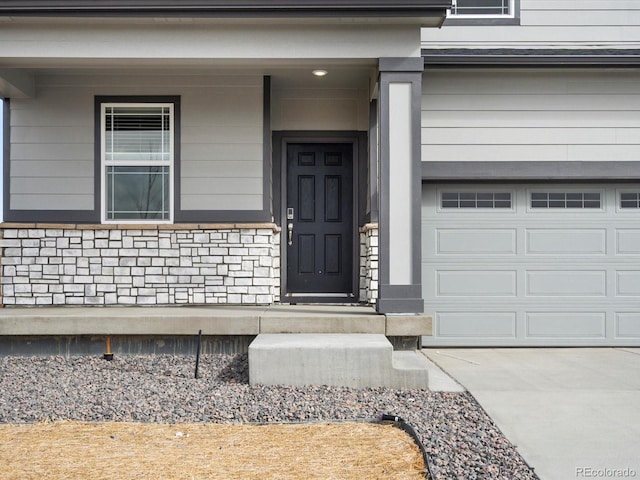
(104, 163)
(512, 14)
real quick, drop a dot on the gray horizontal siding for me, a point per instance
(52, 151)
(529, 153)
(222, 169)
(527, 136)
(44, 186)
(52, 144)
(588, 23)
(619, 8)
(48, 169)
(223, 186)
(320, 109)
(526, 101)
(581, 5)
(29, 135)
(62, 202)
(225, 133)
(221, 151)
(221, 202)
(531, 36)
(214, 165)
(533, 119)
(575, 17)
(493, 115)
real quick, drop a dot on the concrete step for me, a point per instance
(346, 360)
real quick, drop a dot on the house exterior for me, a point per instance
(183, 153)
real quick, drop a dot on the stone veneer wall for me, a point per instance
(140, 264)
(369, 263)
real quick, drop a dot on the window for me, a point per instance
(565, 200)
(630, 200)
(137, 154)
(475, 200)
(482, 8)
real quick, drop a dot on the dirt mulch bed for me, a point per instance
(72, 450)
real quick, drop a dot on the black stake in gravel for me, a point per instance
(198, 352)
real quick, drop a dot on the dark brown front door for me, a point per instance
(319, 221)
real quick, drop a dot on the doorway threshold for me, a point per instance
(320, 298)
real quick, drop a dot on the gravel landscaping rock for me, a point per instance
(461, 440)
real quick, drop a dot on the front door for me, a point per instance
(319, 221)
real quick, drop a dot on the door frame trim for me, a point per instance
(281, 140)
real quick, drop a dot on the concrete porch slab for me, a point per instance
(130, 321)
(408, 325)
(321, 319)
(212, 320)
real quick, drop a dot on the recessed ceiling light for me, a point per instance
(319, 73)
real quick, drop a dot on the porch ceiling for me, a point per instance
(21, 82)
(125, 34)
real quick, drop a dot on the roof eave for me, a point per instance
(245, 8)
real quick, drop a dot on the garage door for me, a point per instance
(532, 264)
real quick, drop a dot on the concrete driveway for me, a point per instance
(572, 412)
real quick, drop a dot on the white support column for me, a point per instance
(400, 186)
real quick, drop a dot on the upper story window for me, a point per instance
(137, 152)
(482, 9)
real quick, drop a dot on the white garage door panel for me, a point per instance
(628, 284)
(577, 241)
(476, 241)
(564, 324)
(487, 283)
(479, 325)
(563, 283)
(628, 241)
(531, 276)
(628, 325)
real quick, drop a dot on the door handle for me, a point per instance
(290, 230)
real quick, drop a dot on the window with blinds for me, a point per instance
(137, 158)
